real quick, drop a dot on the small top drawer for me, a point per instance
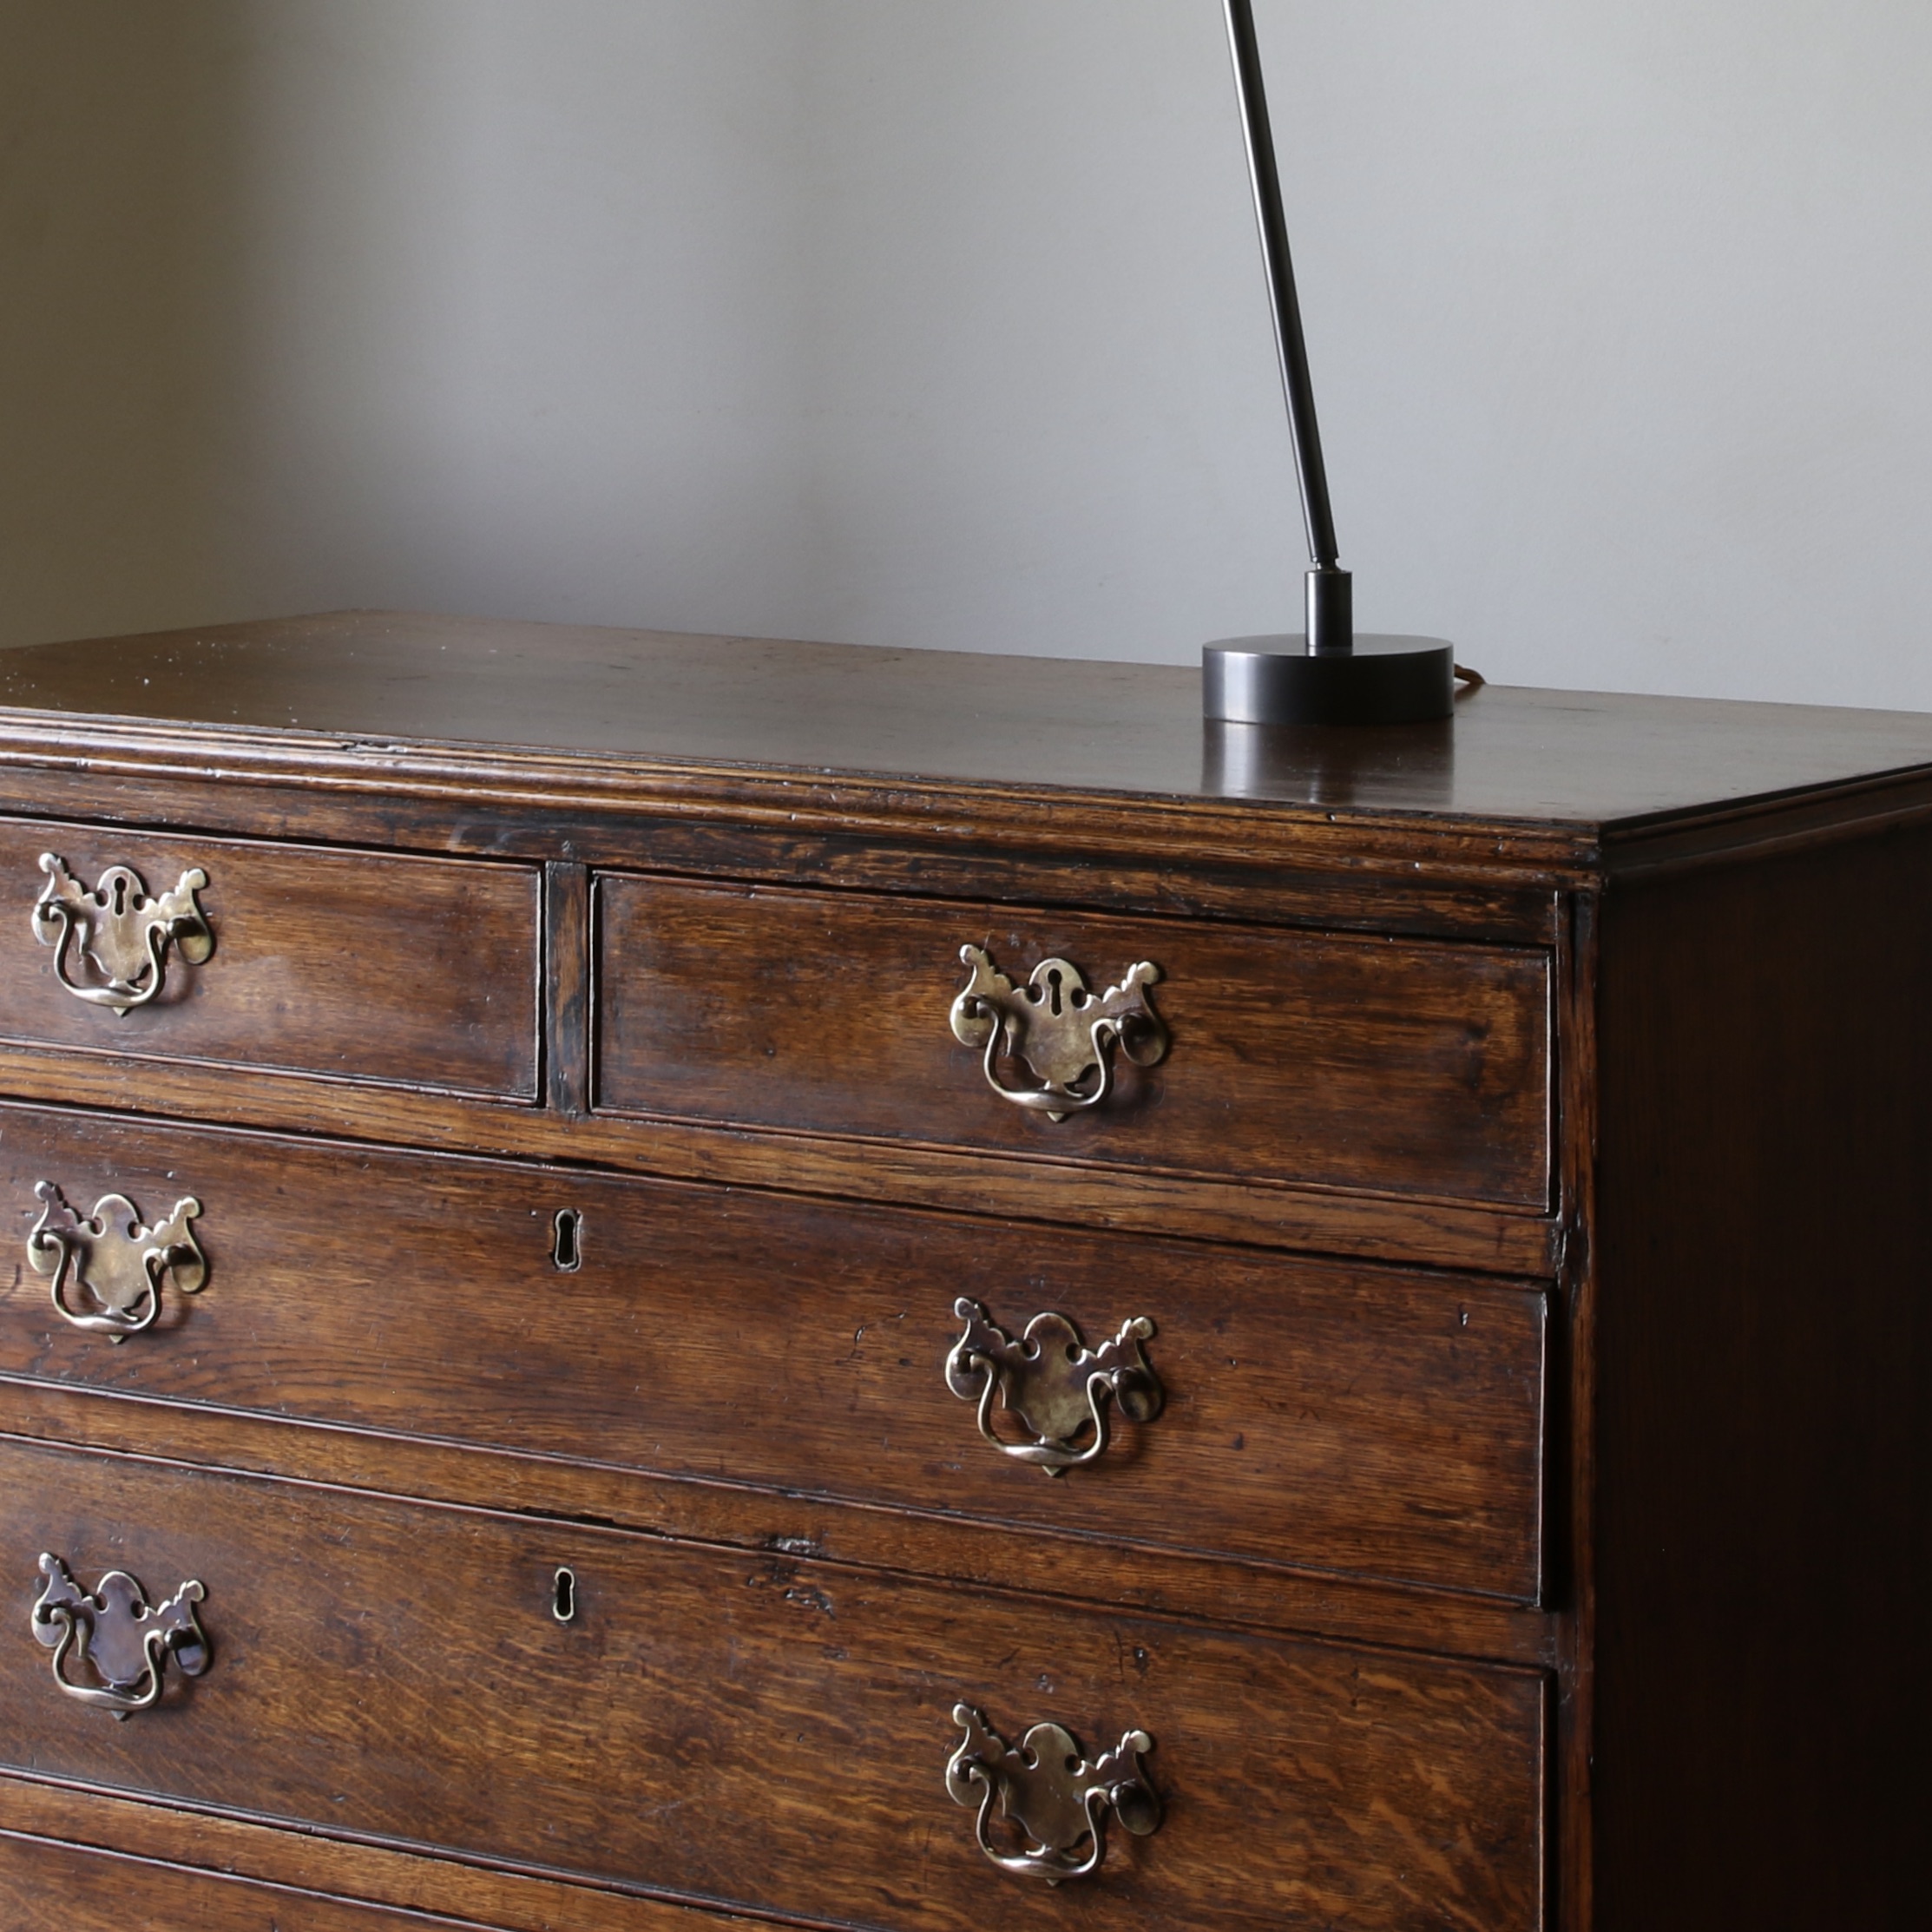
(357, 965)
(1332, 1060)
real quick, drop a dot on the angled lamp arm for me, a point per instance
(1330, 622)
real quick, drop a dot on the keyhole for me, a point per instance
(563, 1603)
(567, 1241)
(1053, 996)
(120, 898)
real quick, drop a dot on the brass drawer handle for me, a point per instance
(122, 933)
(116, 1636)
(108, 1269)
(1057, 1388)
(1051, 1794)
(1065, 1034)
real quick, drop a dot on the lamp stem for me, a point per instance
(1331, 618)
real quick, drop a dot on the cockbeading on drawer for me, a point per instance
(794, 1738)
(353, 965)
(1324, 1060)
(1325, 1416)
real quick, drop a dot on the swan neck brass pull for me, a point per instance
(1055, 1799)
(108, 1269)
(114, 1635)
(120, 931)
(1060, 1389)
(1065, 1034)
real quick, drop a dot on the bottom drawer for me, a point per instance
(756, 1733)
(63, 1887)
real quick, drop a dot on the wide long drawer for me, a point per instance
(64, 1888)
(733, 1730)
(367, 966)
(1323, 1059)
(1332, 1415)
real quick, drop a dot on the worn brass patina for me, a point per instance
(1065, 1034)
(116, 1637)
(1059, 1389)
(108, 1269)
(1057, 1800)
(119, 931)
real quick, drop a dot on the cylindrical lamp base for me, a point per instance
(1274, 680)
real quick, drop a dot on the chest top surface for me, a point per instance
(655, 701)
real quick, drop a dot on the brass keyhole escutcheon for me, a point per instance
(563, 1596)
(567, 1241)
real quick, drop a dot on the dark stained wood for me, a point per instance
(1046, 1563)
(1427, 1234)
(425, 1890)
(1322, 885)
(1321, 1416)
(760, 1732)
(60, 1886)
(566, 987)
(1297, 1057)
(1566, 757)
(1570, 1432)
(356, 966)
(1676, 1192)
(1762, 1440)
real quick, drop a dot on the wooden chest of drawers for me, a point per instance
(655, 1279)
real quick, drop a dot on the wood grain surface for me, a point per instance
(1332, 1417)
(65, 1888)
(1370, 1226)
(296, 1867)
(353, 965)
(1305, 1057)
(1764, 1443)
(1028, 725)
(759, 1731)
(1528, 1209)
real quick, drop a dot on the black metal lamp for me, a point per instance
(1329, 675)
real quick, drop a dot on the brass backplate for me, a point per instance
(1057, 1803)
(1057, 1388)
(121, 1641)
(108, 1269)
(121, 932)
(1065, 1034)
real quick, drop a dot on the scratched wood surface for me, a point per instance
(1679, 941)
(355, 965)
(65, 1888)
(1032, 725)
(1345, 1061)
(186, 1868)
(757, 1731)
(1334, 1417)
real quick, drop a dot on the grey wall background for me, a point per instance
(939, 323)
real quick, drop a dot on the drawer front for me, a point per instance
(363, 966)
(63, 1887)
(1341, 1417)
(1327, 1059)
(767, 1734)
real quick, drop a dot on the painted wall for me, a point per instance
(940, 322)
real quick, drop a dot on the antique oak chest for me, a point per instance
(653, 1279)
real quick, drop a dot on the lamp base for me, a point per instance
(1274, 680)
